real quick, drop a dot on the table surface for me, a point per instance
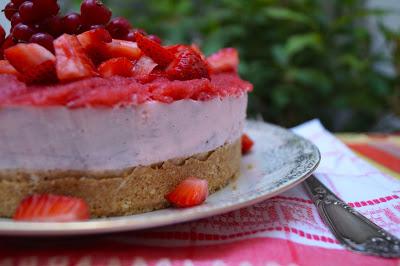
(383, 151)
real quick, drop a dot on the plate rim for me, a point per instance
(121, 224)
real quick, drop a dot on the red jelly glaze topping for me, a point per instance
(116, 91)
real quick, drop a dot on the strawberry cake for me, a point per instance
(95, 109)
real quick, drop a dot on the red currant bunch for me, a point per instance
(39, 21)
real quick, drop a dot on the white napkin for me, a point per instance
(373, 193)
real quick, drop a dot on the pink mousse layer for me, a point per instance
(98, 139)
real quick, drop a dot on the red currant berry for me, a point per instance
(17, 3)
(95, 27)
(16, 19)
(10, 10)
(95, 12)
(131, 34)
(72, 23)
(155, 38)
(44, 39)
(46, 8)
(119, 27)
(52, 25)
(28, 12)
(22, 32)
(2, 35)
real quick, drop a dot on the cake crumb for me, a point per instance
(250, 167)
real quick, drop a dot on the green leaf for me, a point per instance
(281, 13)
(311, 77)
(298, 43)
(280, 55)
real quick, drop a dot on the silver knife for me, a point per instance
(352, 229)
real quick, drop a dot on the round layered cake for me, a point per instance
(122, 156)
(109, 115)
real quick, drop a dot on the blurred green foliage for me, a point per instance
(306, 58)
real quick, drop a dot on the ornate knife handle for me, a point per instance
(352, 229)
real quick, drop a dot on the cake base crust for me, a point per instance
(136, 190)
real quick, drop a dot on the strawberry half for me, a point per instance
(95, 44)
(121, 48)
(51, 208)
(43, 73)
(187, 65)
(154, 50)
(24, 57)
(7, 68)
(116, 67)
(224, 60)
(72, 62)
(247, 144)
(191, 192)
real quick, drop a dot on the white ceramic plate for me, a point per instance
(279, 161)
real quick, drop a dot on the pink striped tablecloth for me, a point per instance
(285, 230)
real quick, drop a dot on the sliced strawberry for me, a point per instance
(7, 68)
(94, 42)
(43, 73)
(198, 51)
(51, 208)
(154, 50)
(224, 60)
(143, 67)
(8, 42)
(191, 192)
(120, 48)
(176, 49)
(247, 144)
(188, 65)
(116, 67)
(72, 62)
(27, 56)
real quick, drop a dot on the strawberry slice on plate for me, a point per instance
(224, 60)
(121, 48)
(72, 62)
(51, 208)
(116, 67)
(24, 57)
(7, 68)
(188, 65)
(247, 144)
(190, 192)
(94, 43)
(154, 50)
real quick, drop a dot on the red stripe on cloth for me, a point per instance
(194, 236)
(245, 252)
(383, 158)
